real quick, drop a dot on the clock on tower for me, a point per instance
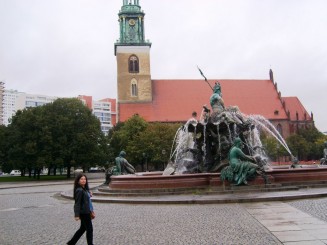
(133, 56)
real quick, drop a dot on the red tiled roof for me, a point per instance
(175, 100)
(294, 105)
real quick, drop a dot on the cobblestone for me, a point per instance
(38, 215)
(316, 207)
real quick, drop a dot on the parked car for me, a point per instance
(78, 170)
(15, 173)
(96, 169)
(93, 169)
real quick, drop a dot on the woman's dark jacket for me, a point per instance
(82, 205)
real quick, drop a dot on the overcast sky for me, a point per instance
(66, 47)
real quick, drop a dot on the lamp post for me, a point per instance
(278, 153)
(146, 161)
(163, 157)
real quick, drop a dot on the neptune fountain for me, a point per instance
(206, 145)
(221, 148)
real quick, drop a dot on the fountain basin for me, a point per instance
(155, 180)
(305, 173)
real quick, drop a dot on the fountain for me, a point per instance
(200, 154)
(204, 145)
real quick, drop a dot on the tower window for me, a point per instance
(134, 87)
(133, 64)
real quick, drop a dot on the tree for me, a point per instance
(62, 133)
(4, 166)
(143, 142)
(315, 140)
(156, 144)
(77, 139)
(124, 134)
(25, 136)
(273, 148)
(298, 146)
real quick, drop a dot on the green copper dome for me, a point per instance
(131, 23)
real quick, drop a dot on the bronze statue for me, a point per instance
(241, 167)
(216, 100)
(323, 161)
(122, 165)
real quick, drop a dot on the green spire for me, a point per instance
(131, 23)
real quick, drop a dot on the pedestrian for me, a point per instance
(83, 209)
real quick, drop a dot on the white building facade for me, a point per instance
(13, 100)
(104, 110)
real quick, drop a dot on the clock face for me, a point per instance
(131, 22)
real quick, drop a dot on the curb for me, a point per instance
(211, 199)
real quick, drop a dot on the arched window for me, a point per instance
(134, 87)
(133, 64)
(280, 129)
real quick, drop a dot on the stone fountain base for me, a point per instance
(153, 188)
(276, 175)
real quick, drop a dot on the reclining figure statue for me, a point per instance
(323, 161)
(241, 167)
(122, 165)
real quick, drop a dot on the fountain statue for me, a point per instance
(241, 167)
(323, 161)
(212, 143)
(122, 167)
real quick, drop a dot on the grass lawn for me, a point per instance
(26, 178)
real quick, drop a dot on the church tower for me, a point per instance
(133, 56)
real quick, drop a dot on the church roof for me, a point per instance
(175, 100)
(294, 105)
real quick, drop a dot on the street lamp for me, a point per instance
(163, 157)
(278, 154)
(146, 161)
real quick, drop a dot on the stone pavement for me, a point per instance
(288, 224)
(38, 215)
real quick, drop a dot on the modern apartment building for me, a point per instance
(104, 110)
(2, 89)
(13, 100)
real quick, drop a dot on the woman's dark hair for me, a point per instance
(76, 182)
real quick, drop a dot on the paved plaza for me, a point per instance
(38, 215)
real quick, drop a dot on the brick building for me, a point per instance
(162, 100)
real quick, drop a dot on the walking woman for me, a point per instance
(83, 209)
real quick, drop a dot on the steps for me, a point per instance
(210, 195)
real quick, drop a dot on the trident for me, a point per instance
(205, 78)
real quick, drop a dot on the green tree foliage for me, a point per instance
(3, 149)
(307, 144)
(27, 141)
(76, 134)
(156, 142)
(123, 134)
(143, 141)
(298, 146)
(60, 134)
(273, 148)
(315, 140)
